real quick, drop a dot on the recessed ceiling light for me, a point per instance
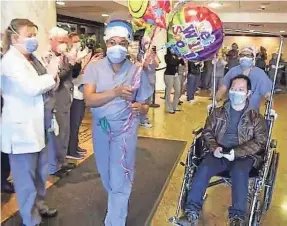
(282, 31)
(214, 4)
(105, 15)
(60, 3)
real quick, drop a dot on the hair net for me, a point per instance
(118, 28)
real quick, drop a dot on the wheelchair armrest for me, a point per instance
(273, 143)
(197, 131)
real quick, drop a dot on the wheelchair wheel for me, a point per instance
(188, 180)
(256, 215)
(270, 182)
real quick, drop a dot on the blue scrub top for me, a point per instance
(102, 75)
(260, 83)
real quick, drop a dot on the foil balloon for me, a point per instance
(195, 33)
(153, 12)
(139, 24)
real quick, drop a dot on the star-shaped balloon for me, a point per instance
(158, 12)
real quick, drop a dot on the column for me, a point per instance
(42, 13)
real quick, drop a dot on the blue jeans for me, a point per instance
(211, 166)
(192, 85)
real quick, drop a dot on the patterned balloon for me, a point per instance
(139, 24)
(153, 12)
(195, 33)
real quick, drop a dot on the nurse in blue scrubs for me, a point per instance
(116, 107)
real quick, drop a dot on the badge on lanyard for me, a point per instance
(55, 125)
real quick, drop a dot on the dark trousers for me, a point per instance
(5, 168)
(211, 166)
(192, 85)
(76, 118)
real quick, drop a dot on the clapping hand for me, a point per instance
(218, 153)
(97, 57)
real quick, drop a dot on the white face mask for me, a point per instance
(76, 46)
(62, 48)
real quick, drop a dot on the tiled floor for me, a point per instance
(180, 127)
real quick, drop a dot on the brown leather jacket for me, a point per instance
(252, 132)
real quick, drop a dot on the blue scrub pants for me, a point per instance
(108, 156)
(211, 166)
(29, 173)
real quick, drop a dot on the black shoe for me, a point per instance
(69, 166)
(76, 156)
(235, 221)
(60, 173)
(154, 105)
(189, 219)
(7, 187)
(180, 102)
(48, 213)
(82, 151)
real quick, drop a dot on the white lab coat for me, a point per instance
(23, 111)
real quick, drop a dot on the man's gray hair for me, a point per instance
(58, 32)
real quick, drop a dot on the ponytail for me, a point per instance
(6, 41)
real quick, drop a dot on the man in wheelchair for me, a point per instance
(235, 136)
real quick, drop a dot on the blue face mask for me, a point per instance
(237, 97)
(246, 62)
(117, 54)
(31, 44)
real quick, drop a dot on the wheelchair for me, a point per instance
(261, 191)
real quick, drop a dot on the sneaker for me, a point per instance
(60, 173)
(82, 151)
(235, 221)
(146, 124)
(192, 101)
(189, 219)
(75, 156)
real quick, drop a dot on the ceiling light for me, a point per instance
(214, 4)
(251, 30)
(105, 15)
(60, 3)
(282, 31)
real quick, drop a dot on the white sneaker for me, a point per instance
(146, 125)
(192, 101)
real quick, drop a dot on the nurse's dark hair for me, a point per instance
(244, 77)
(15, 25)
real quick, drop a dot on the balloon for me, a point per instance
(195, 33)
(139, 24)
(153, 12)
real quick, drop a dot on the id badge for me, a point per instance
(55, 125)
